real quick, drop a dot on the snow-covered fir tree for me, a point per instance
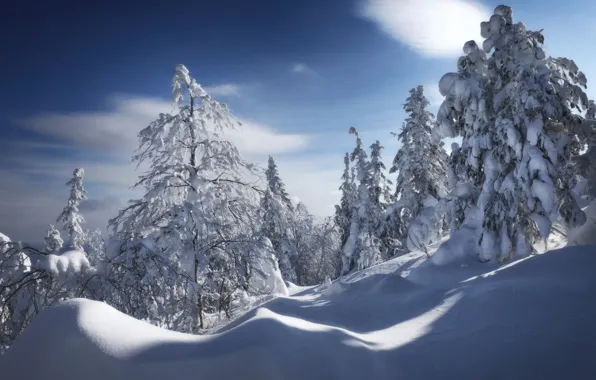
(343, 211)
(277, 214)
(71, 217)
(513, 111)
(381, 197)
(529, 181)
(362, 248)
(53, 240)
(275, 184)
(187, 244)
(420, 164)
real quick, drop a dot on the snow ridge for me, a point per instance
(406, 318)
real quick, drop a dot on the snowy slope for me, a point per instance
(404, 319)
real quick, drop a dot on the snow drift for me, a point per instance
(406, 318)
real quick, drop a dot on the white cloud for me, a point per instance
(116, 130)
(253, 138)
(433, 28)
(222, 90)
(302, 68)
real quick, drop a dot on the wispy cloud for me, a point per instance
(116, 129)
(223, 90)
(302, 68)
(433, 28)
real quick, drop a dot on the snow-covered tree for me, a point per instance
(381, 197)
(320, 254)
(185, 246)
(275, 184)
(362, 248)
(277, 214)
(53, 240)
(71, 218)
(513, 111)
(529, 171)
(31, 280)
(420, 163)
(343, 211)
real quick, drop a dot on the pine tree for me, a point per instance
(71, 217)
(420, 163)
(53, 240)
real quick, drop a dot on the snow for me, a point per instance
(586, 234)
(64, 264)
(406, 318)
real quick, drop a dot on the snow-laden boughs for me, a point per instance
(185, 245)
(32, 279)
(71, 217)
(420, 164)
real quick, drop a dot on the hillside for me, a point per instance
(403, 319)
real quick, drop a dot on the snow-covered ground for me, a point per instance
(404, 319)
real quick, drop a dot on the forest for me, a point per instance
(214, 236)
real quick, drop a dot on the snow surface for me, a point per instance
(404, 319)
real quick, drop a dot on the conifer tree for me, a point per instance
(71, 217)
(53, 240)
(420, 163)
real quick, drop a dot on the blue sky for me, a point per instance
(81, 79)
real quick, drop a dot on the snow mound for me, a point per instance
(404, 319)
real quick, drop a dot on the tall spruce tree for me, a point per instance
(343, 211)
(277, 213)
(420, 163)
(362, 248)
(71, 217)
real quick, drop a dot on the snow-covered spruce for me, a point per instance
(343, 211)
(71, 217)
(277, 214)
(513, 111)
(186, 247)
(53, 240)
(362, 248)
(420, 164)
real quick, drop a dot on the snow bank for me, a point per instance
(400, 320)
